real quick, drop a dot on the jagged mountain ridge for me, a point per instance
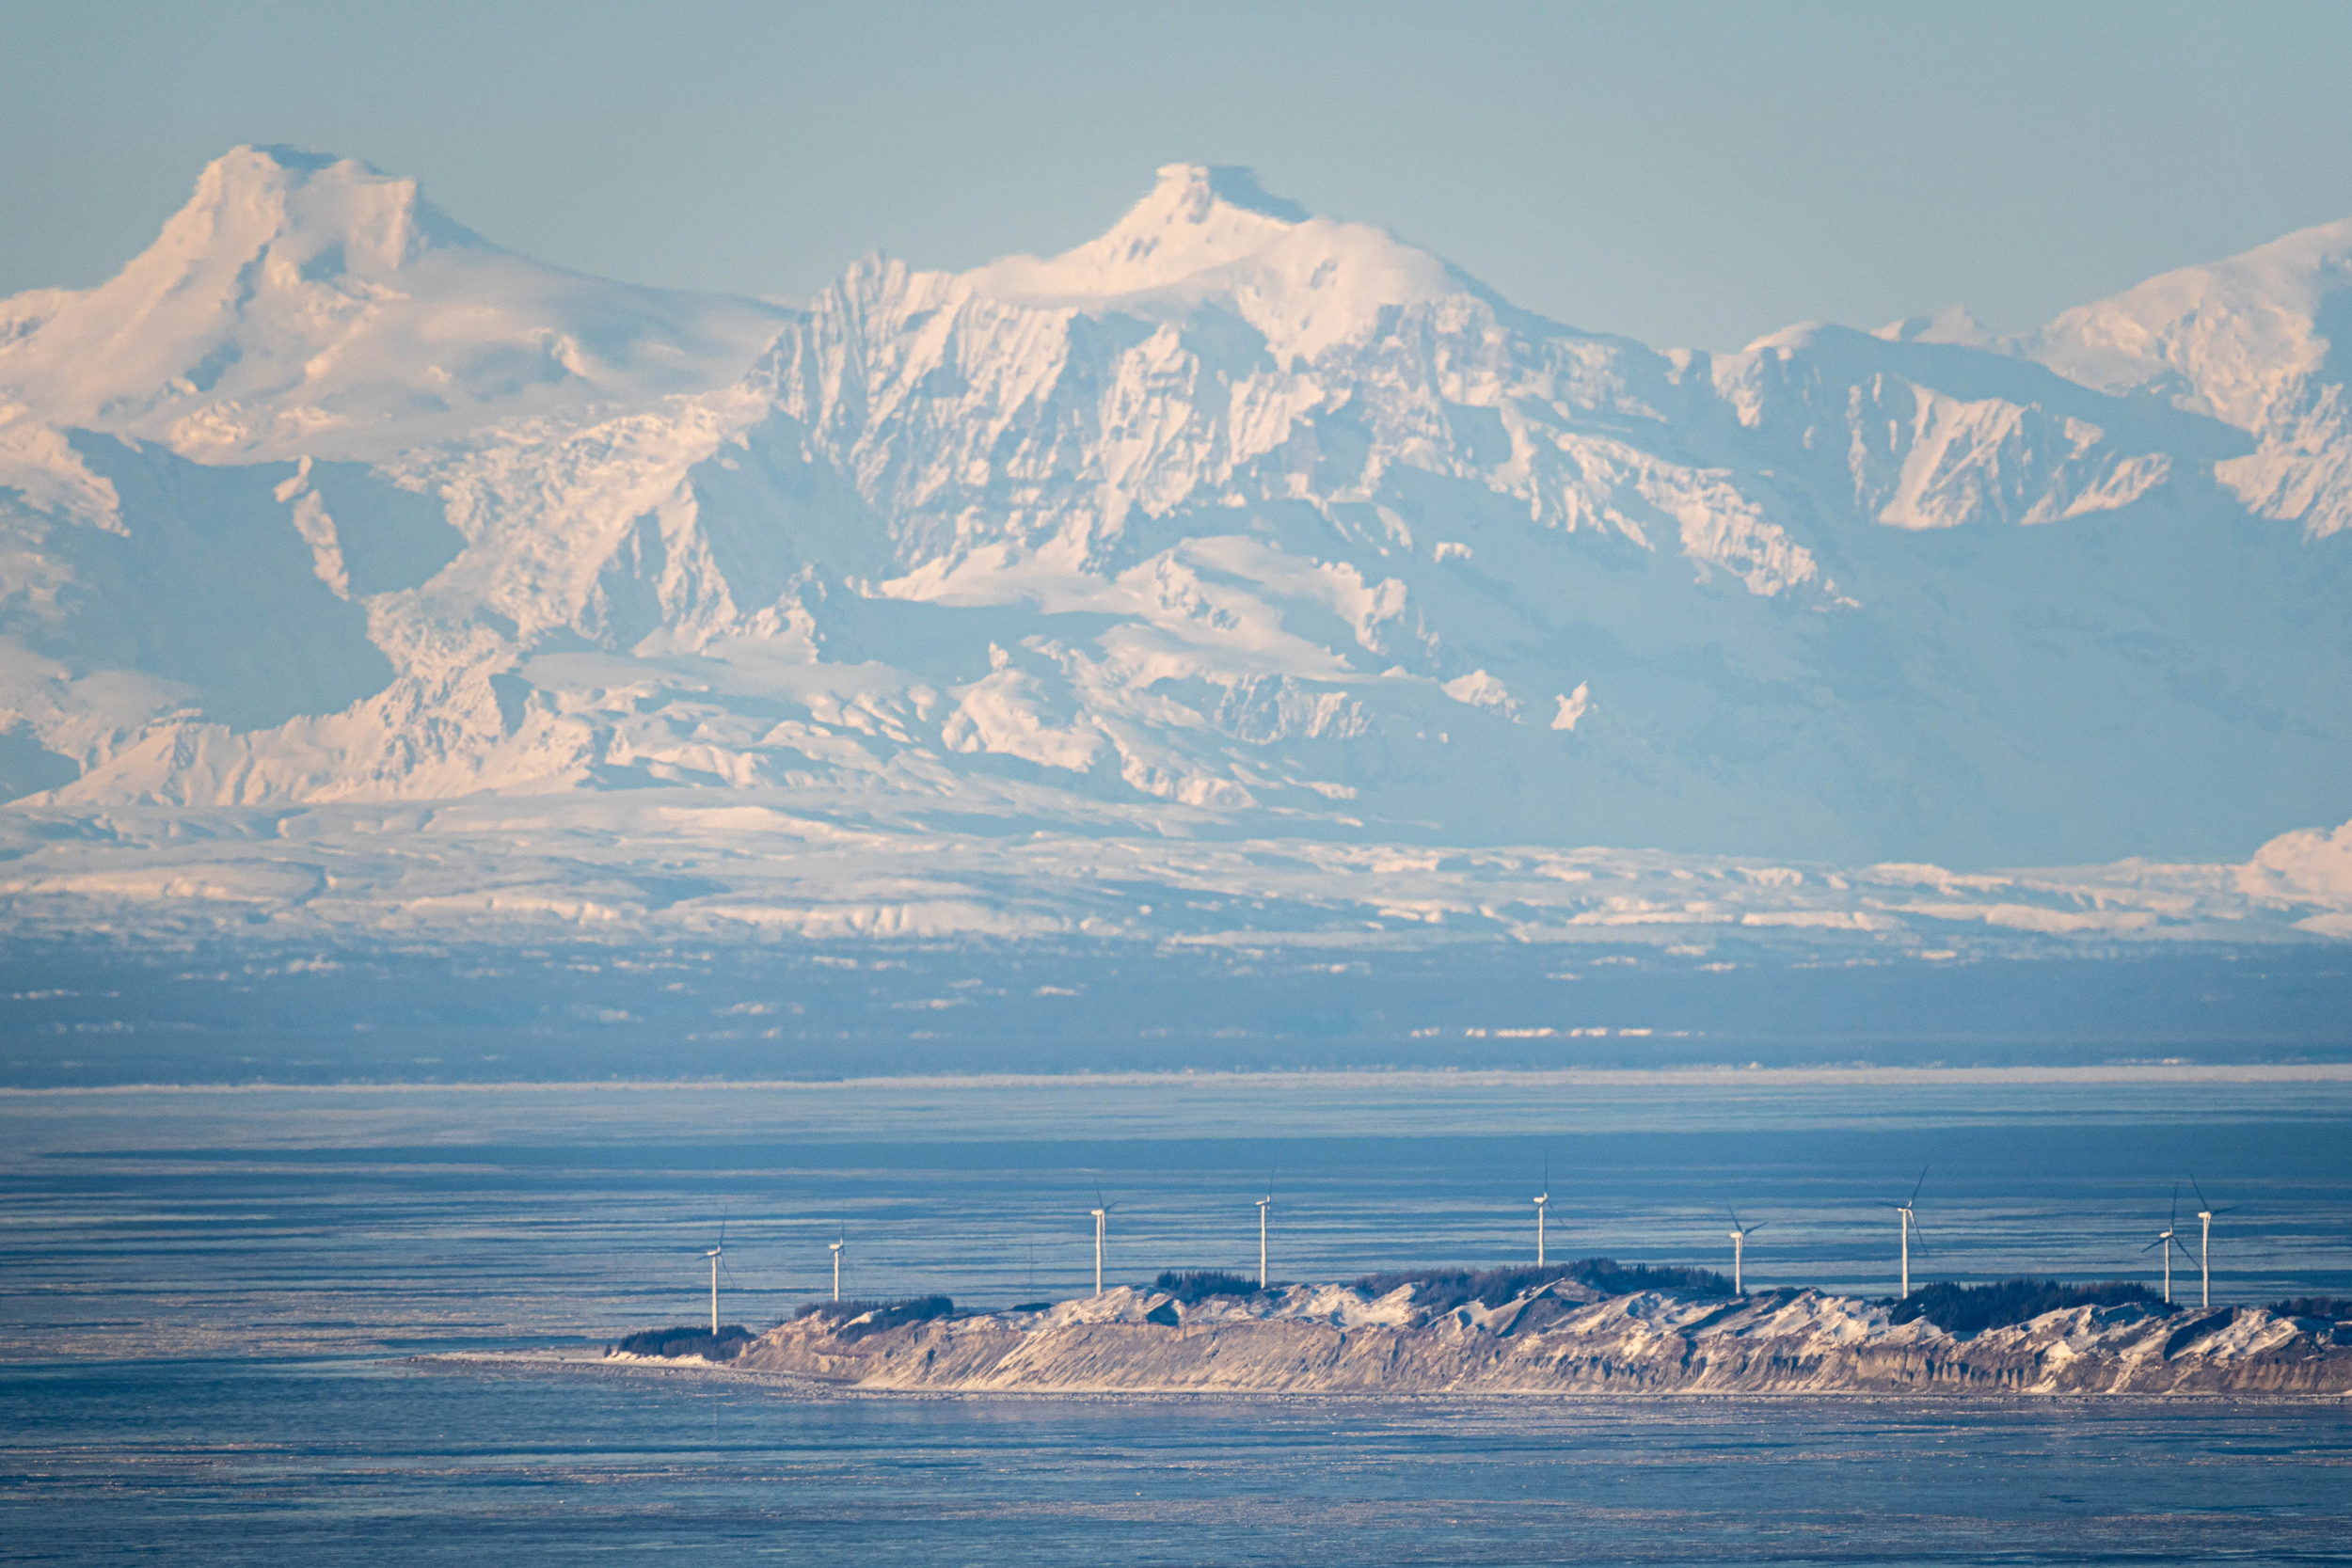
(1233, 518)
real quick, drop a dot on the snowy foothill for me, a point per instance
(764, 865)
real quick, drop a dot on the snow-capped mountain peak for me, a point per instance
(305, 304)
(2261, 342)
(1209, 235)
(308, 211)
(2239, 331)
(1954, 324)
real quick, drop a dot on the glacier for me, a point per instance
(358, 576)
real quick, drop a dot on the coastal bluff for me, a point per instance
(1560, 1337)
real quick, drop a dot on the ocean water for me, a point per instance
(210, 1298)
(340, 1461)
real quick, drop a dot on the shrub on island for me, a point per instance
(1974, 1308)
(1442, 1290)
(687, 1340)
(2334, 1309)
(1193, 1286)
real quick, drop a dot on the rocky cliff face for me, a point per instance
(1562, 1338)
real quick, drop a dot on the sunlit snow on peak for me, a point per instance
(1209, 235)
(2261, 342)
(1954, 324)
(304, 304)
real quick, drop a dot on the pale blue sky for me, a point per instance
(1685, 173)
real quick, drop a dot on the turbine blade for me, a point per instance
(2199, 1191)
(1917, 1185)
(2176, 1205)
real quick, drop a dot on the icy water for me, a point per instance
(209, 1296)
(283, 1462)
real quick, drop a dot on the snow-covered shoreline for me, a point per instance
(1560, 1337)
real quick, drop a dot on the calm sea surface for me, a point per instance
(207, 1295)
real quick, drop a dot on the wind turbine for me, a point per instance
(2205, 1212)
(1911, 1223)
(713, 1255)
(2167, 1239)
(1739, 1234)
(1102, 1212)
(1541, 1198)
(836, 1263)
(1263, 1204)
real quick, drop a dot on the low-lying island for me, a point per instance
(1559, 1336)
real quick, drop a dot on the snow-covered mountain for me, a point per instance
(2261, 342)
(1234, 523)
(304, 306)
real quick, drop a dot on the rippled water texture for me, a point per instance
(208, 1294)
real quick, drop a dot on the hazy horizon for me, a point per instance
(1688, 175)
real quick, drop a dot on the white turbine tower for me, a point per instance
(2205, 1212)
(1911, 1223)
(1102, 1212)
(2167, 1239)
(1739, 1234)
(1541, 1198)
(716, 1255)
(1263, 1204)
(836, 1264)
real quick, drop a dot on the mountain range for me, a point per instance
(1237, 533)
